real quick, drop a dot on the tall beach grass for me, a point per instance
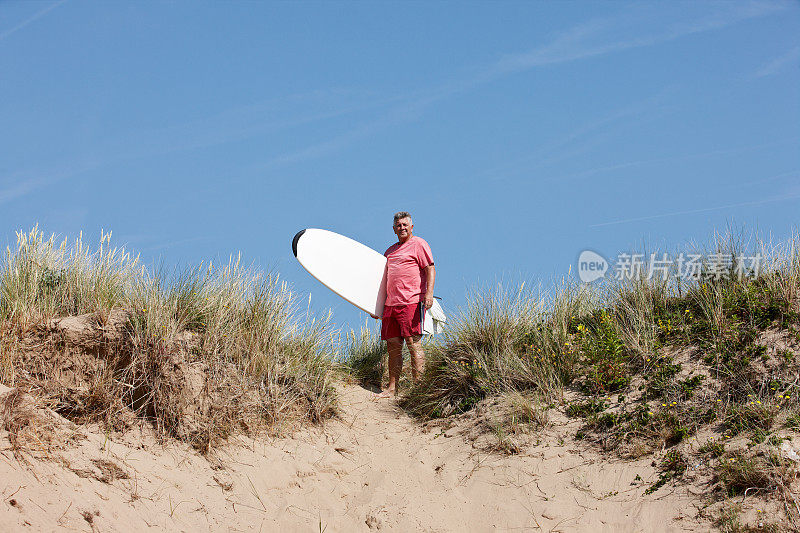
(363, 356)
(504, 340)
(646, 362)
(256, 360)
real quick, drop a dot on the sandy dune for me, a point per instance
(373, 468)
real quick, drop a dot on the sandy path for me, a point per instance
(374, 468)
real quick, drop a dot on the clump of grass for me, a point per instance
(42, 278)
(512, 414)
(754, 415)
(224, 348)
(793, 421)
(502, 342)
(637, 305)
(738, 473)
(587, 408)
(661, 377)
(712, 448)
(522, 411)
(364, 356)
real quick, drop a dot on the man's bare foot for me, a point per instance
(385, 394)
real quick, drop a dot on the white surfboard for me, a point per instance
(352, 270)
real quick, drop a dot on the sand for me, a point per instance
(371, 469)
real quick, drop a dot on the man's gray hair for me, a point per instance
(402, 214)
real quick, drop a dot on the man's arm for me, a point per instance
(430, 273)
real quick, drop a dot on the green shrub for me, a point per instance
(672, 466)
(604, 356)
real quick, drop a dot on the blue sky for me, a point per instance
(517, 133)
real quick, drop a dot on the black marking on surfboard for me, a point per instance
(294, 241)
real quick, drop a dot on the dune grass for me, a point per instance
(645, 362)
(504, 340)
(237, 335)
(364, 356)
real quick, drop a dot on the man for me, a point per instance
(410, 276)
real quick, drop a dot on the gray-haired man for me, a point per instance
(410, 276)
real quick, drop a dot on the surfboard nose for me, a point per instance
(294, 241)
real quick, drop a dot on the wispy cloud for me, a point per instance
(772, 199)
(227, 126)
(590, 39)
(170, 244)
(22, 188)
(761, 181)
(601, 37)
(325, 147)
(585, 136)
(683, 157)
(594, 38)
(24, 183)
(39, 14)
(779, 63)
(243, 122)
(393, 116)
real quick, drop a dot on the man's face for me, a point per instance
(402, 228)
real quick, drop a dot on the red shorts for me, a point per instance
(402, 320)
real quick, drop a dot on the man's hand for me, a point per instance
(428, 301)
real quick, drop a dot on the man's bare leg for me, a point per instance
(417, 355)
(395, 348)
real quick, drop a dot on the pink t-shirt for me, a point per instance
(406, 281)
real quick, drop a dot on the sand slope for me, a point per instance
(371, 469)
